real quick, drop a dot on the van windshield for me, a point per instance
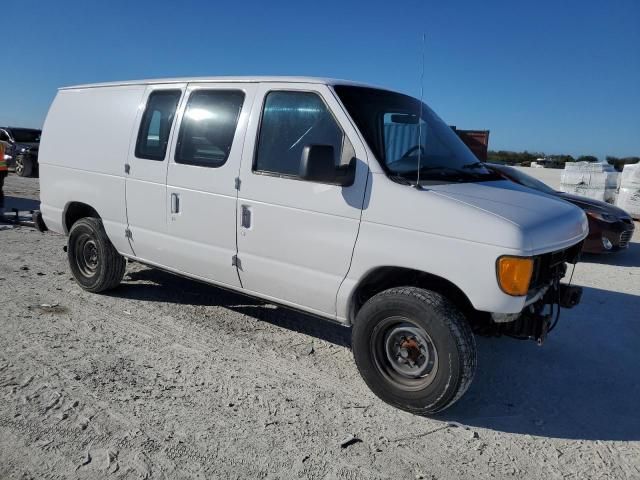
(406, 136)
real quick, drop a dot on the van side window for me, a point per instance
(290, 121)
(155, 126)
(208, 127)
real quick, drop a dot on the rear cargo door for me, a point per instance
(146, 172)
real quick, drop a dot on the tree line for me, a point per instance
(554, 161)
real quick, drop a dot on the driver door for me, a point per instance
(296, 237)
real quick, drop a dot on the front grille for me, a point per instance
(552, 265)
(624, 239)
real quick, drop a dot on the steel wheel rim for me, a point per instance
(87, 257)
(404, 353)
(19, 165)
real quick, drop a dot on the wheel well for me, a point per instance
(383, 278)
(74, 211)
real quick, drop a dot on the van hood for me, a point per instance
(547, 223)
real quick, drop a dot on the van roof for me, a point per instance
(242, 79)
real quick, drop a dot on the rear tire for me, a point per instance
(24, 166)
(414, 349)
(95, 263)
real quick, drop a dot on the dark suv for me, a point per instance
(21, 149)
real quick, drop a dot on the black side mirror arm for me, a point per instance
(346, 174)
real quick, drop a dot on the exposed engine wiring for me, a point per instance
(557, 287)
(553, 306)
(572, 270)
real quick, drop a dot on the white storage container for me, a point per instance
(593, 180)
(629, 195)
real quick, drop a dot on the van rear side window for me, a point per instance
(208, 127)
(155, 125)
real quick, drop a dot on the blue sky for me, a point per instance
(551, 75)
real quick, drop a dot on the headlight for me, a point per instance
(23, 149)
(514, 274)
(605, 217)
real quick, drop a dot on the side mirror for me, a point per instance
(318, 164)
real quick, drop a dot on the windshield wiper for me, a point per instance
(488, 174)
(441, 171)
(473, 165)
(400, 179)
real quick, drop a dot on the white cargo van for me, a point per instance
(353, 203)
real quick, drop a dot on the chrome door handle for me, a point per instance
(175, 203)
(245, 221)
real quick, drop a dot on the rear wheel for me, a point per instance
(414, 349)
(24, 166)
(95, 263)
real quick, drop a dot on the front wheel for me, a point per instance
(414, 349)
(95, 263)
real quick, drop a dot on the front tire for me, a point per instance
(414, 349)
(95, 263)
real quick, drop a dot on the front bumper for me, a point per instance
(537, 320)
(617, 233)
(546, 296)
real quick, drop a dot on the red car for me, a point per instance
(610, 227)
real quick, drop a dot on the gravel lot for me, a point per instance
(169, 378)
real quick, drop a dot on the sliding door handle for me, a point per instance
(245, 221)
(175, 203)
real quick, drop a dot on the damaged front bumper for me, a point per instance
(546, 297)
(538, 318)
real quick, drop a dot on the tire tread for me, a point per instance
(460, 329)
(114, 264)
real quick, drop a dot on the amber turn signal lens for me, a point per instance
(514, 275)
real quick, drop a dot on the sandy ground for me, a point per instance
(169, 378)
